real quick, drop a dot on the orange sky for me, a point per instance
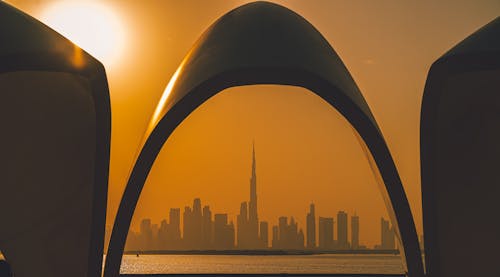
(305, 150)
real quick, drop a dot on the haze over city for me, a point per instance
(199, 229)
(229, 137)
(306, 150)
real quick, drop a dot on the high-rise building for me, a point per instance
(154, 244)
(220, 222)
(223, 232)
(354, 231)
(175, 218)
(248, 220)
(207, 228)
(243, 236)
(311, 228)
(387, 240)
(253, 218)
(325, 227)
(193, 222)
(162, 235)
(173, 233)
(287, 236)
(264, 236)
(342, 242)
(230, 235)
(146, 235)
(276, 239)
(187, 228)
(300, 240)
(252, 213)
(197, 218)
(283, 231)
(175, 223)
(292, 232)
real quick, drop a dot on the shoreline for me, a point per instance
(261, 252)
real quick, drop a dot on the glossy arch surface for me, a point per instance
(56, 121)
(263, 43)
(460, 158)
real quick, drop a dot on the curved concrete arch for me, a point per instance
(262, 43)
(460, 154)
(56, 127)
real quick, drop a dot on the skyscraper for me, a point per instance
(287, 236)
(387, 235)
(276, 239)
(162, 235)
(174, 229)
(187, 228)
(207, 228)
(264, 236)
(155, 243)
(146, 235)
(283, 231)
(197, 223)
(354, 231)
(311, 227)
(193, 230)
(248, 220)
(342, 242)
(300, 240)
(243, 236)
(223, 232)
(253, 219)
(325, 233)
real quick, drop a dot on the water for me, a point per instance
(328, 263)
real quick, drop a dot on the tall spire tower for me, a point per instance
(252, 216)
(248, 221)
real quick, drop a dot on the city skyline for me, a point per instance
(222, 235)
(362, 112)
(277, 194)
(231, 119)
(198, 229)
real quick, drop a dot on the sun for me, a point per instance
(93, 26)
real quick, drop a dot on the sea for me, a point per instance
(256, 264)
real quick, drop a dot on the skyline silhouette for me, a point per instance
(204, 232)
(284, 187)
(197, 229)
(371, 61)
(60, 164)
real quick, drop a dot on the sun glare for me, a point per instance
(91, 25)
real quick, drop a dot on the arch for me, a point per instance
(262, 43)
(459, 156)
(55, 112)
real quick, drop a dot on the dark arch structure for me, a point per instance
(263, 43)
(460, 158)
(56, 123)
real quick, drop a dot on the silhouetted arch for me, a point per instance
(460, 158)
(262, 43)
(56, 127)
